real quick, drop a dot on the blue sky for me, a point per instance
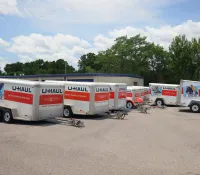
(32, 29)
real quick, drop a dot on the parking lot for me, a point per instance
(163, 142)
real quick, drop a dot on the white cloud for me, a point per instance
(55, 47)
(70, 48)
(93, 11)
(102, 42)
(3, 43)
(9, 7)
(162, 35)
(3, 62)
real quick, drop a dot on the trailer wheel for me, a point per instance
(67, 112)
(129, 105)
(195, 107)
(159, 102)
(7, 116)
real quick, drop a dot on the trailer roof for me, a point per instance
(25, 82)
(173, 85)
(191, 81)
(75, 83)
(124, 84)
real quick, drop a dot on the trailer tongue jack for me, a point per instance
(117, 114)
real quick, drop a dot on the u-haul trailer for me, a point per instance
(84, 98)
(134, 96)
(164, 94)
(118, 92)
(28, 100)
(190, 95)
(144, 92)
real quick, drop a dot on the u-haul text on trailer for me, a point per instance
(164, 94)
(84, 98)
(190, 95)
(26, 100)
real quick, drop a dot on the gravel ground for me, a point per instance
(163, 142)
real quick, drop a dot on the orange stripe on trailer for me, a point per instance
(129, 94)
(112, 95)
(169, 93)
(121, 95)
(19, 97)
(50, 99)
(73, 95)
(137, 94)
(104, 96)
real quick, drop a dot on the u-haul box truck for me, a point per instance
(133, 96)
(164, 94)
(84, 98)
(118, 92)
(190, 95)
(32, 101)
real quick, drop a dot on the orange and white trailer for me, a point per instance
(164, 94)
(28, 100)
(134, 94)
(84, 98)
(118, 92)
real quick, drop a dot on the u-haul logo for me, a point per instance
(168, 88)
(102, 89)
(77, 88)
(21, 89)
(52, 91)
(122, 89)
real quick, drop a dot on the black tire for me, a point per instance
(195, 107)
(67, 112)
(129, 105)
(159, 102)
(1, 116)
(7, 116)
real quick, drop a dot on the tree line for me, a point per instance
(134, 55)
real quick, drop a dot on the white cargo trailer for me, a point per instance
(190, 95)
(133, 96)
(164, 94)
(84, 98)
(118, 92)
(28, 100)
(142, 91)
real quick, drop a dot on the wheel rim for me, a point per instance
(66, 112)
(129, 105)
(7, 117)
(195, 108)
(159, 103)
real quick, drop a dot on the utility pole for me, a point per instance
(65, 67)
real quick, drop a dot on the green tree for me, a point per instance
(87, 63)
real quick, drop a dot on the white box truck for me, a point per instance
(190, 95)
(84, 98)
(164, 94)
(28, 100)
